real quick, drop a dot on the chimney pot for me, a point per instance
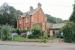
(39, 5)
(31, 8)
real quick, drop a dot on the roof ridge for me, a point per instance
(31, 12)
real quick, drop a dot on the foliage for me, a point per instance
(36, 31)
(19, 38)
(35, 34)
(52, 19)
(23, 31)
(44, 40)
(45, 37)
(69, 29)
(37, 26)
(18, 31)
(9, 15)
(0, 32)
(72, 17)
(6, 32)
(22, 39)
(69, 32)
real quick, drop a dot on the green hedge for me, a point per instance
(35, 34)
(69, 32)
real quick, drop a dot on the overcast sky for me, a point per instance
(57, 8)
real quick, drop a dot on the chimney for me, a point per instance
(39, 5)
(31, 8)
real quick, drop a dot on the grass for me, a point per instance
(23, 39)
(18, 38)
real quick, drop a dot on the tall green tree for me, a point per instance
(69, 32)
(9, 15)
(72, 17)
(52, 19)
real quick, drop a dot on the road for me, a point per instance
(28, 47)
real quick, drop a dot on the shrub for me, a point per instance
(18, 31)
(23, 31)
(36, 31)
(13, 30)
(37, 26)
(6, 32)
(44, 40)
(35, 34)
(69, 32)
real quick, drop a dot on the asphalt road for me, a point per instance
(53, 47)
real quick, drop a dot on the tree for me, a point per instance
(52, 19)
(72, 17)
(6, 32)
(69, 32)
(9, 15)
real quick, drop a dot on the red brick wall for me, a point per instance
(38, 17)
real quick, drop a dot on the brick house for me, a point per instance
(31, 18)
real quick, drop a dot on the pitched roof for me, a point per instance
(28, 13)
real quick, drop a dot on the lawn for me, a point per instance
(23, 39)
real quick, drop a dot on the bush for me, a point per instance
(35, 34)
(69, 32)
(6, 32)
(18, 31)
(44, 40)
(23, 31)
